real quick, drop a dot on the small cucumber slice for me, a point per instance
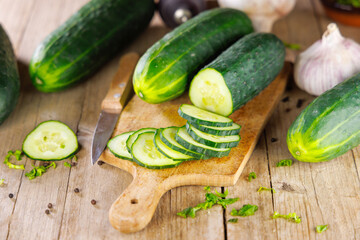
(167, 135)
(132, 138)
(145, 153)
(200, 116)
(218, 131)
(213, 140)
(117, 146)
(187, 141)
(167, 151)
(50, 141)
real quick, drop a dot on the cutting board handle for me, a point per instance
(133, 210)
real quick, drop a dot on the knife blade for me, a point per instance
(118, 95)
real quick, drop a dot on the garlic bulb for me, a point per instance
(327, 62)
(263, 13)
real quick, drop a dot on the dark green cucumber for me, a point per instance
(234, 129)
(117, 146)
(146, 155)
(238, 74)
(164, 71)
(213, 140)
(9, 77)
(329, 126)
(167, 135)
(183, 138)
(88, 39)
(50, 141)
(200, 116)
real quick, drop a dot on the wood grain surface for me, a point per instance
(322, 193)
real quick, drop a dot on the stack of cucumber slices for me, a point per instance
(204, 136)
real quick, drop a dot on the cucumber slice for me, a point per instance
(167, 135)
(200, 116)
(213, 140)
(132, 138)
(167, 151)
(187, 141)
(145, 153)
(218, 131)
(117, 146)
(50, 141)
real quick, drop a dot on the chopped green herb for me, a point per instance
(66, 164)
(354, 3)
(18, 155)
(2, 181)
(266, 189)
(284, 162)
(246, 210)
(38, 171)
(251, 176)
(321, 228)
(211, 199)
(292, 46)
(233, 220)
(74, 158)
(11, 165)
(290, 217)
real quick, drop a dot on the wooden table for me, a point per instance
(322, 193)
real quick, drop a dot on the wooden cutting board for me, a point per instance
(133, 210)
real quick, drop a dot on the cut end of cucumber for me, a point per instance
(209, 91)
(50, 140)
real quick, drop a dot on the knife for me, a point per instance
(120, 91)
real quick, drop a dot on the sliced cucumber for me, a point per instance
(145, 153)
(213, 140)
(167, 151)
(200, 116)
(117, 146)
(50, 141)
(167, 135)
(187, 141)
(132, 137)
(218, 131)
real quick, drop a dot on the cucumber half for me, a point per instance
(213, 140)
(167, 135)
(117, 146)
(218, 131)
(200, 116)
(132, 137)
(167, 151)
(187, 141)
(145, 153)
(50, 141)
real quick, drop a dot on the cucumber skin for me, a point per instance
(159, 66)
(213, 131)
(9, 77)
(203, 122)
(333, 116)
(100, 29)
(115, 154)
(208, 142)
(250, 65)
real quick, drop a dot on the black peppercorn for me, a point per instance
(93, 202)
(50, 205)
(273, 139)
(100, 163)
(73, 164)
(285, 99)
(47, 211)
(11, 195)
(76, 190)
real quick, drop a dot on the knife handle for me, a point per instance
(111, 102)
(133, 210)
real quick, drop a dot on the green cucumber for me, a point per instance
(9, 77)
(238, 74)
(132, 137)
(167, 135)
(164, 71)
(213, 140)
(117, 146)
(183, 138)
(146, 155)
(50, 141)
(167, 151)
(87, 40)
(329, 126)
(234, 129)
(200, 116)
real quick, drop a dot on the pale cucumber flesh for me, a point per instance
(117, 146)
(133, 137)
